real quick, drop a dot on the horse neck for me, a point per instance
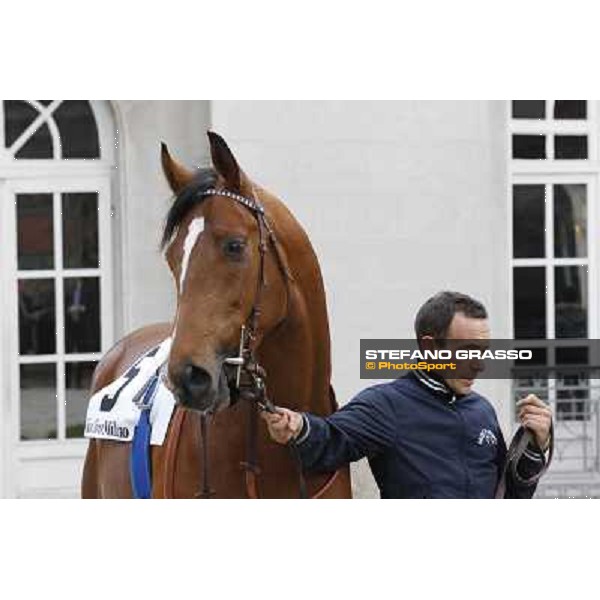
(296, 354)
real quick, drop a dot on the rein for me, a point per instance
(518, 446)
(253, 386)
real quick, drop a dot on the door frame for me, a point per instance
(6, 470)
(13, 451)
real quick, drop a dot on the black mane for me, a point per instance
(189, 197)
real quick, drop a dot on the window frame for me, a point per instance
(551, 127)
(104, 272)
(549, 261)
(20, 458)
(549, 172)
(64, 167)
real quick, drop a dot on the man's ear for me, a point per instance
(427, 342)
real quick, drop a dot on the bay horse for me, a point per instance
(240, 262)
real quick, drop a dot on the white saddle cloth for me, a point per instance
(116, 420)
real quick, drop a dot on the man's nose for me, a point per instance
(478, 365)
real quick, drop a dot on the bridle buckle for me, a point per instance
(238, 361)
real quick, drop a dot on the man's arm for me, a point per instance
(364, 427)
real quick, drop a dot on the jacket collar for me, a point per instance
(435, 385)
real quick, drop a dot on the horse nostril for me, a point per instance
(196, 381)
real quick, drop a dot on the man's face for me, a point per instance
(466, 333)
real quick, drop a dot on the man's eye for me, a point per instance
(234, 248)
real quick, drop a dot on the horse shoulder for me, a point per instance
(126, 351)
(100, 477)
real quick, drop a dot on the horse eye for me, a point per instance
(234, 248)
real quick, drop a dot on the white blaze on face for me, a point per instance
(195, 228)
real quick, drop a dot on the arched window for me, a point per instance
(38, 129)
(56, 162)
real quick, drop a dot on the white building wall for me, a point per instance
(400, 199)
(147, 293)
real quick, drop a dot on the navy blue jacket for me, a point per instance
(421, 441)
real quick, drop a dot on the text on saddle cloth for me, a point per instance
(114, 411)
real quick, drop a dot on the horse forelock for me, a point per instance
(189, 197)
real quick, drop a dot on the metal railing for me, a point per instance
(573, 393)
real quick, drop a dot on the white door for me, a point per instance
(56, 322)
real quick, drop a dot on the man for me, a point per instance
(424, 436)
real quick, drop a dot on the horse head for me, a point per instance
(224, 270)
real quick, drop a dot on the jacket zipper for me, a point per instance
(463, 445)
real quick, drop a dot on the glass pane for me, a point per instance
(570, 146)
(570, 220)
(534, 375)
(78, 382)
(572, 394)
(528, 109)
(39, 145)
(38, 402)
(37, 334)
(570, 109)
(529, 146)
(35, 231)
(529, 220)
(572, 403)
(572, 355)
(570, 299)
(80, 230)
(529, 294)
(82, 314)
(539, 358)
(18, 116)
(78, 131)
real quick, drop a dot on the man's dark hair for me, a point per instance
(435, 316)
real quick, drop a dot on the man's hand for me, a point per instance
(283, 425)
(537, 417)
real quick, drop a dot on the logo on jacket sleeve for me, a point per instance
(487, 438)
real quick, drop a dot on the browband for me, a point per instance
(251, 203)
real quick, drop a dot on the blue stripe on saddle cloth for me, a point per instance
(140, 466)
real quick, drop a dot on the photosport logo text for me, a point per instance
(495, 359)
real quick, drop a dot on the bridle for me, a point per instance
(245, 361)
(250, 379)
(254, 387)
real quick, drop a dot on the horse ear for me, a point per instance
(225, 163)
(177, 175)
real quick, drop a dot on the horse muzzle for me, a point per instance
(196, 389)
